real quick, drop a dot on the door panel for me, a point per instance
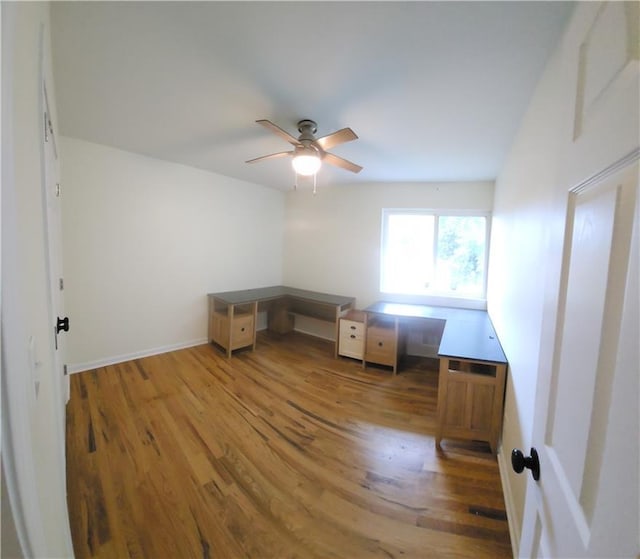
(592, 215)
(578, 430)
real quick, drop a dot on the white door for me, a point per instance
(53, 230)
(586, 427)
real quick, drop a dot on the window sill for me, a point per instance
(437, 300)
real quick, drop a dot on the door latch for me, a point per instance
(62, 324)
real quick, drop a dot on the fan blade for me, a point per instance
(279, 131)
(337, 138)
(272, 156)
(343, 163)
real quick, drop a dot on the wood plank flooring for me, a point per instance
(279, 453)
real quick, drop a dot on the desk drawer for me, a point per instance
(349, 327)
(351, 340)
(378, 334)
(352, 348)
(242, 331)
(382, 346)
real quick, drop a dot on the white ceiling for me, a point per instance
(434, 90)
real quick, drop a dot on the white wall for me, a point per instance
(544, 162)
(144, 242)
(32, 437)
(332, 239)
(524, 190)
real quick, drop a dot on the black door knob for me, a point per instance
(62, 324)
(519, 462)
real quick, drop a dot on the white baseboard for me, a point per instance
(90, 365)
(504, 466)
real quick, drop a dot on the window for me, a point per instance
(434, 253)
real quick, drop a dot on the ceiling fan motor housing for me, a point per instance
(307, 129)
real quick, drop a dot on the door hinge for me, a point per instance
(65, 370)
(61, 283)
(48, 127)
(58, 190)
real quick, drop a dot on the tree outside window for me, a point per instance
(426, 252)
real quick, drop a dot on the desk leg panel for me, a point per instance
(255, 325)
(498, 411)
(442, 398)
(230, 312)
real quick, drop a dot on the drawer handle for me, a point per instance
(353, 336)
(379, 344)
(242, 329)
(352, 327)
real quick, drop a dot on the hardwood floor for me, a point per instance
(282, 452)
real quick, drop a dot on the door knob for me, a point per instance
(62, 324)
(519, 462)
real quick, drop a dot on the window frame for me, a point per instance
(431, 295)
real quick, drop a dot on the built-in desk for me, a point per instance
(233, 315)
(472, 368)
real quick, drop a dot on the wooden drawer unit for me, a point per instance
(470, 398)
(352, 335)
(241, 330)
(383, 344)
(232, 326)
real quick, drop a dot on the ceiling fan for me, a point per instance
(309, 151)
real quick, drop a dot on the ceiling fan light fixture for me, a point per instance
(309, 152)
(306, 165)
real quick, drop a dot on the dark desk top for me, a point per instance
(277, 291)
(468, 334)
